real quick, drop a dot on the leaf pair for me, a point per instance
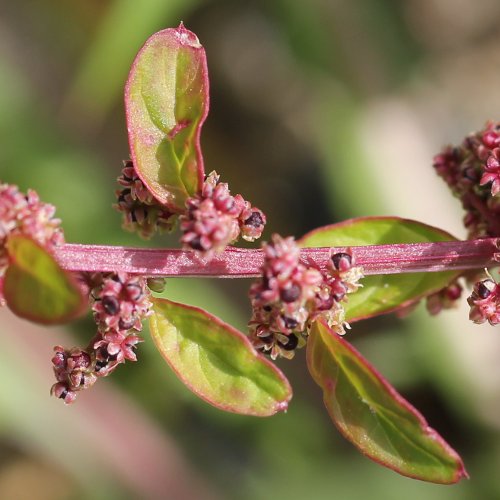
(219, 364)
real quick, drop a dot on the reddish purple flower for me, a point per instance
(215, 219)
(63, 391)
(492, 172)
(120, 302)
(290, 295)
(472, 171)
(26, 214)
(73, 370)
(142, 213)
(485, 302)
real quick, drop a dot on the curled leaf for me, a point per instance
(383, 293)
(216, 361)
(35, 287)
(166, 103)
(371, 414)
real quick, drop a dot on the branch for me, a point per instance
(245, 263)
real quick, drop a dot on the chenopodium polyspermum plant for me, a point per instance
(307, 293)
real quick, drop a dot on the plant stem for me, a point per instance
(244, 263)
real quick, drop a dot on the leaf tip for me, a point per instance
(186, 37)
(283, 405)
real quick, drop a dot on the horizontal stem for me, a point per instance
(244, 263)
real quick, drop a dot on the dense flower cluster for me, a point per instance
(119, 303)
(142, 213)
(472, 171)
(485, 302)
(215, 219)
(25, 214)
(290, 295)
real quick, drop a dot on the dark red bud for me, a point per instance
(341, 261)
(291, 294)
(111, 304)
(255, 220)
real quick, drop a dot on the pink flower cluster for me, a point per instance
(485, 302)
(215, 219)
(142, 213)
(26, 214)
(120, 303)
(472, 171)
(74, 372)
(290, 295)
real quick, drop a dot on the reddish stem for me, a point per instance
(244, 263)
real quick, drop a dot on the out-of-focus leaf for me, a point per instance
(384, 293)
(371, 414)
(216, 361)
(166, 100)
(36, 288)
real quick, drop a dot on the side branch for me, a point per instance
(246, 263)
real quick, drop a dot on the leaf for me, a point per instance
(35, 287)
(166, 103)
(383, 293)
(371, 414)
(216, 361)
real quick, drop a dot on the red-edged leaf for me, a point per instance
(382, 294)
(371, 414)
(216, 361)
(36, 288)
(166, 102)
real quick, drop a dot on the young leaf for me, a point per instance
(383, 293)
(36, 288)
(216, 361)
(166, 103)
(369, 412)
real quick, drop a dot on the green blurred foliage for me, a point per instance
(309, 102)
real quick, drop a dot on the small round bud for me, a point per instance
(341, 261)
(291, 294)
(111, 304)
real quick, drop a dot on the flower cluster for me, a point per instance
(120, 303)
(472, 171)
(142, 213)
(290, 295)
(215, 219)
(485, 302)
(26, 214)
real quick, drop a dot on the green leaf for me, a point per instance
(166, 102)
(36, 288)
(370, 413)
(216, 361)
(383, 293)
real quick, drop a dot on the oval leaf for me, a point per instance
(217, 362)
(383, 293)
(371, 414)
(166, 103)
(35, 287)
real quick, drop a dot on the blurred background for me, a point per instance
(320, 111)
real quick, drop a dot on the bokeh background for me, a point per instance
(320, 111)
